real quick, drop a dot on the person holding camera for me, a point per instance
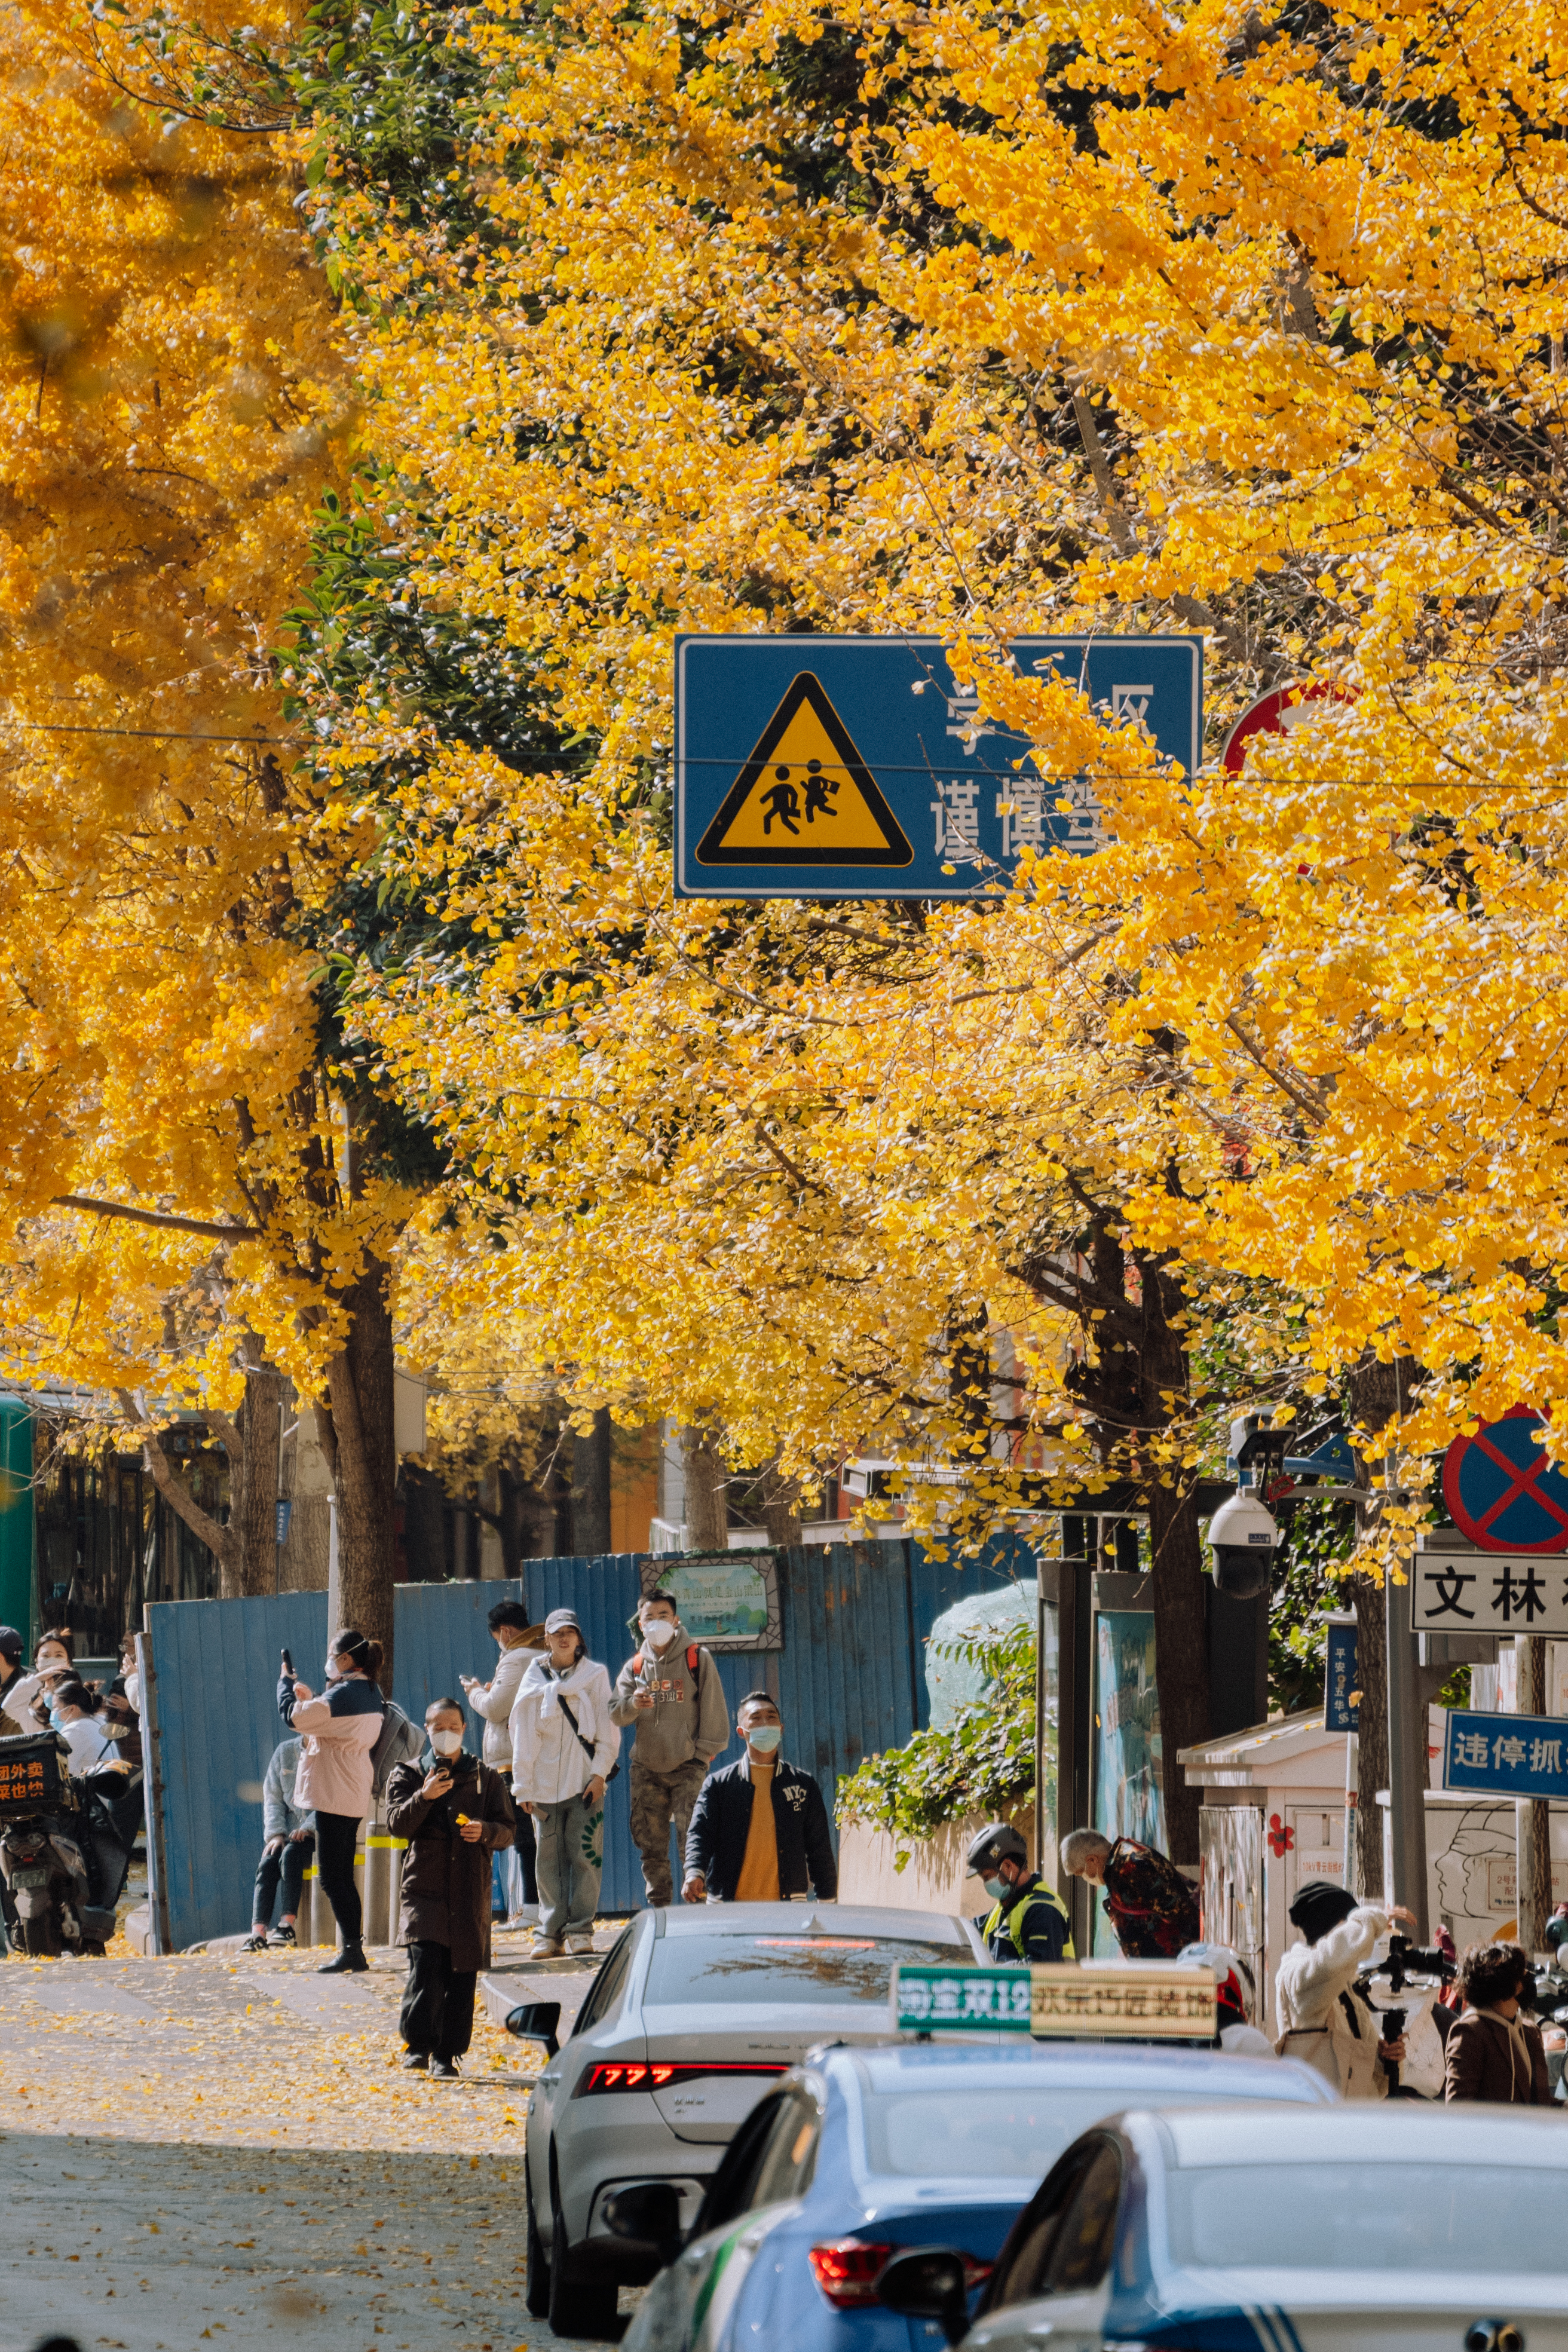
(1323, 2018)
(456, 1814)
(1491, 2054)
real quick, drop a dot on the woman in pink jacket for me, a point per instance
(339, 1730)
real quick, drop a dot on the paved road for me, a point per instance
(220, 2149)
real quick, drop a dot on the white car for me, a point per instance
(693, 2017)
(1404, 2225)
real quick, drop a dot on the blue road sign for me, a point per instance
(856, 768)
(285, 1509)
(1507, 1755)
(1503, 1491)
(1339, 1679)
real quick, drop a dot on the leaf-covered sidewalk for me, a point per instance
(207, 2149)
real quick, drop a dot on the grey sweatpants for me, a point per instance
(569, 1861)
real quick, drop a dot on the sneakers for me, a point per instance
(547, 1948)
(417, 2061)
(527, 1917)
(351, 1962)
(583, 1943)
(445, 2070)
(256, 1941)
(283, 1939)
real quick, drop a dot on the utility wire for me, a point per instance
(885, 767)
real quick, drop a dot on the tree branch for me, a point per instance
(218, 1539)
(155, 1217)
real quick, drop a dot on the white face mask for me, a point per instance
(446, 1743)
(660, 1632)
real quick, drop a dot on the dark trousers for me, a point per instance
(335, 1837)
(527, 1849)
(290, 1866)
(437, 2012)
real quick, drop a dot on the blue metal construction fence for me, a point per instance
(849, 1679)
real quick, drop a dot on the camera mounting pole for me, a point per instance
(1406, 1742)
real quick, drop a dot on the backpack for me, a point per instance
(398, 1742)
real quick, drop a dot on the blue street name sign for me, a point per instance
(856, 768)
(285, 1513)
(1339, 1679)
(1507, 1755)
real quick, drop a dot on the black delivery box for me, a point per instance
(32, 1775)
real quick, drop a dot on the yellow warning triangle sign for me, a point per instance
(806, 797)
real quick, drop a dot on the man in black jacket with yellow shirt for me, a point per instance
(758, 1828)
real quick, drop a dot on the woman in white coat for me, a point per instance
(1322, 2018)
(493, 1702)
(564, 1748)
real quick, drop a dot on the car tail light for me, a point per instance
(847, 2269)
(664, 2074)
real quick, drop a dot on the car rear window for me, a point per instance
(788, 1968)
(1489, 2220)
(982, 2135)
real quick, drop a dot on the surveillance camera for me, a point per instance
(1244, 1535)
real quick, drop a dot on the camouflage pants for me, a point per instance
(659, 1799)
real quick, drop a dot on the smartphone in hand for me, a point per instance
(288, 1663)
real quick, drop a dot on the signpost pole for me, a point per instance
(1075, 1711)
(1406, 1742)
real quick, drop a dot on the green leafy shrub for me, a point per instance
(981, 1762)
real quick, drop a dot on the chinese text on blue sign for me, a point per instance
(1340, 1680)
(859, 767)
(1456, 1592)
(1507, 1755)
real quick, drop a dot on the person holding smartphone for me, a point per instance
(456, 1814)
(338, 1732)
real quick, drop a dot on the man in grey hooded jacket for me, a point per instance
(670, 1691)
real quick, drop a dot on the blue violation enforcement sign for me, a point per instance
(1143, 2000)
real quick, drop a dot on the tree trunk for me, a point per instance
(424, 1525)
(1181, 1654)
(1534, 1837)
(255, 1507)
(707, 1493)
(221, 1541)
(591, 1458)
(364, 1455)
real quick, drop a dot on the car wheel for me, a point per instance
(538, 2294)
(577, 2307)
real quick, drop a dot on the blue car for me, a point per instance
(860, 2152)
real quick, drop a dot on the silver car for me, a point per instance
(693, 2017)
(1262, 2229)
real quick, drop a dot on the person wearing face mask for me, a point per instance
(71, 1705)
(52, 1664)
(564, 1748)
(336, 1775)
(1028, 1920)
(672, 1693)
(758, 1828)
(456, 1814)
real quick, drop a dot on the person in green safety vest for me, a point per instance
(1028, 1921)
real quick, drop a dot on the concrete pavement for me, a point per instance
(222, 2149)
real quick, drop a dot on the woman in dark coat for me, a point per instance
(1491, 2053)
(455, 1812)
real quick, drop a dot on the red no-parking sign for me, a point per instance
(1276, 714)
(1501, 1489)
